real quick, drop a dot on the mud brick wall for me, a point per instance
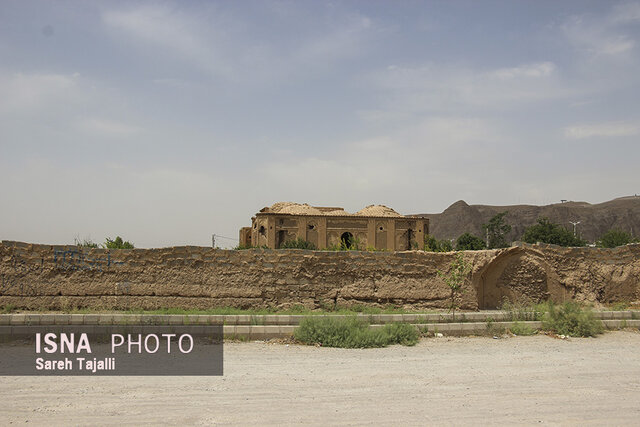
(63, 277)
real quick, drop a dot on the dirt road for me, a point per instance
(522, 380)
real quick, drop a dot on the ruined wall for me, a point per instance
(55, 277)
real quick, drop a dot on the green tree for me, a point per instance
(496, 230)
(431, 244)
(469, 242)
(614, 238)
(117, 243)
(547, 232)
(458, 272)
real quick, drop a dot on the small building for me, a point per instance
(375, 226)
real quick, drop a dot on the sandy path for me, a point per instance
(449, 381)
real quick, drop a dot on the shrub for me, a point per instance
(9, 308)
(298, 243)
(522, 310)
(353, 244)
(522, 329)
(469, 242)
(572, 320)
(117, 243)
(401, 333)
(455, 278)
(242, 247)
(614, 238)
(85, 243)
(431, 244)
(352, 332)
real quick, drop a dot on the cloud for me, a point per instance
(446, 88)
(170, 29)
(610, 129)
(384, 168)
(30, 92)
(225, 45)
(603, 35)
(625, 13)
(106, 127)
(543, 69)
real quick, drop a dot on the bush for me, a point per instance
(547, 232)
(522, 329)
(298, 243)
(242, 247)
(522, 310)
(454, 279)
(353, 244)
(572, 320)
(469, 242)
(614, 238)
(117, 243)
(85, 243)
(431, 244)
(9, 308)
(401, 333)
(352, 332)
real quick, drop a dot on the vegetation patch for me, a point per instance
(353, 333)
(571, 319)
(523, 329)
(298, 243)
(547, 232)
(9, 308)
(522, 310)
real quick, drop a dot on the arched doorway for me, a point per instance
(346, 239)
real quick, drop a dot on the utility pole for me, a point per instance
(487, 238)
(574, 227)
(213, 241)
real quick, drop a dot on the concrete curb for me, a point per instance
(267, 320)
(280, 326)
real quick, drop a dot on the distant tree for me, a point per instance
(469, 242)
(117, 243)
(614, 238)
(431, 244)
(547, 232)
(497, 229)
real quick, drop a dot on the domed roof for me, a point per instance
(378, 210)
(293, 209)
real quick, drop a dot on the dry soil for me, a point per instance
(443, 381)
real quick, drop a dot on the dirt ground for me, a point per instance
(444, 381)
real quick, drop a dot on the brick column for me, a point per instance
(322, 233)
(271, 232)
(371, 232)
(391, 234)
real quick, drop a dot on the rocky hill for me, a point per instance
(595, 220)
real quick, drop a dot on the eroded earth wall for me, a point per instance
(65, 277)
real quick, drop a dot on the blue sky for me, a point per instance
(165, 122)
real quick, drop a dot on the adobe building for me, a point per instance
(375, 226)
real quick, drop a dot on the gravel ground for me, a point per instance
(443, 381)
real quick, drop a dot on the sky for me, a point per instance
(166, 122)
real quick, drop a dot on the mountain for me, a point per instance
(622, 213)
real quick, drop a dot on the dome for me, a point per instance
(293, 209)
(378, 210)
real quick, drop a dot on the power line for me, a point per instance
(228, 238)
